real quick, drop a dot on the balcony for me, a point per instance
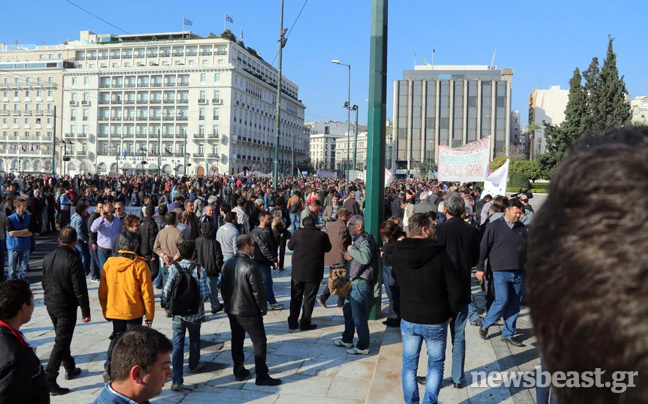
(116, 118)
(27, 112)
(155, 101)
(129, 101)
(182, 118)
(199, 136)
(129, 118)
(142, 84)
(213, 156)
(199, 154)
(81, 153)
(141, 135)
(202, 101)
(142, 118)
(128, 136)
(181, 135)
(104, 102)
(104, 85)
(15, 112)
(167, 136)
(118, 85)
(214, 135)
(183, 83)
(168, 101)
(4, 112)
(168, 118)
(102, 136)
(182, 101)
(156, 84)
(115, 101)
(82, 135)
(142, 101)
(73, 103)
(104, 118)
(170, 84)
(217, 101)
(87, 103)
(70, 135)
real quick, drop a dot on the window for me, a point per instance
(201, 114)
(74, 81)
(203, 78)
(216, 113)
(216, 95)
(216, 77)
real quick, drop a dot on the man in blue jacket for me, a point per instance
(20, 226)
(504, 244)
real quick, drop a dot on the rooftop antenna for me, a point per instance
(492, 65)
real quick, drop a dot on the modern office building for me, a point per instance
(453, 106)
(172, 102)
(544, 106)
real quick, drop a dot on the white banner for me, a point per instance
(326, 174)
(495, 184)
(467, 163)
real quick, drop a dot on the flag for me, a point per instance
(495, 184)
(32, 148)
(229, 19)
(186, 21)
(24, 148)
(241, 36)
(125, 152)
(167, 151)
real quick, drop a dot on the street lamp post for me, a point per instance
(282, 43)
(348, 107)
(355, 138)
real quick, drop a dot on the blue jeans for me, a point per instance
(355, 314)
(295, 219)
(14, 257)
(102, 257)
(266, 274)
(94, 264)
(214, 285)
(458, 335)
(473, 312)
(84, 251)
(435, 340)
(509, 287)
(179, 328)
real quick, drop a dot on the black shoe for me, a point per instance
(458, 385)
(69, 375)
(293, 327)
(244, 375)
(308, 327)
(483, 332)
(421, 380)
(56, 390)
(268, 381)
(218, 311)
(477, 322)
(513, 342)
(392, 322)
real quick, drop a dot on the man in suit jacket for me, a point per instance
(338, 235)
(309, 245)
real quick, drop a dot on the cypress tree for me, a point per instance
(591, 76)
(613, 110)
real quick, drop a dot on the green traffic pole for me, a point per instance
(375, 180)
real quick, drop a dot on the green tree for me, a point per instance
(227, 34)
(591, 75)
(613, 109)
(573, 127)
(530, 132)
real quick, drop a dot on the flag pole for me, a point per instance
(183, 20)
(224, 22)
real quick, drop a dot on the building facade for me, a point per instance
(170, 103)
(322, 151)
(640, 110)
(544, 106)
(452, 106)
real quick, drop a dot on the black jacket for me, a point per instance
(461, 242)
(265, 249)
(22, 379)
(148, 231)
(209, 255)
(242, 287)
(309, 246)
(431, 287)
(64, 282)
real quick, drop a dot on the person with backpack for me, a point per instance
(295, 207)
(183, 295)
(125, 292)
(209, 255)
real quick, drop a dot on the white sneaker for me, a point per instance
(356, 351)
(275, 306)
(340, 343)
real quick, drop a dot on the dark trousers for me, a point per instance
(282, 252)
(64, 329)
(51, 221)
(94, 264)
(306, 292)
(154, 266)
(253, 325)
(65, 218)
(119, 328)
(3, 254)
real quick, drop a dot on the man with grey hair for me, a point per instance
(363, 270)
(125, 291)
(425, 205)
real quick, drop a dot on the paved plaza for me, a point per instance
(313, 370)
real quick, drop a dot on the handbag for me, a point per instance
(338, 282)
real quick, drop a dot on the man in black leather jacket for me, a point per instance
(265, 255)
(65, 288)
(22, 379)
(245, 304)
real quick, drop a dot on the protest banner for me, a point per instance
(467, 163)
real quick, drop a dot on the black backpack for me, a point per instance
(185, 295)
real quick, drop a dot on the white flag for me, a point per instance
(495, 184)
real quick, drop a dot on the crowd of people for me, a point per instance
(193, 237)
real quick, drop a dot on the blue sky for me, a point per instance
(542, 41)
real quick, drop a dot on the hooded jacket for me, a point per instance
(431, 287)
(126, 289)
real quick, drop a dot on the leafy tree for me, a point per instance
(530, 131)
(227, 34)
(497, 163)
(573, 127)
(613, 110)
(516, 151)
(530, 169)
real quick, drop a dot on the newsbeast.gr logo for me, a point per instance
(621, 380)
